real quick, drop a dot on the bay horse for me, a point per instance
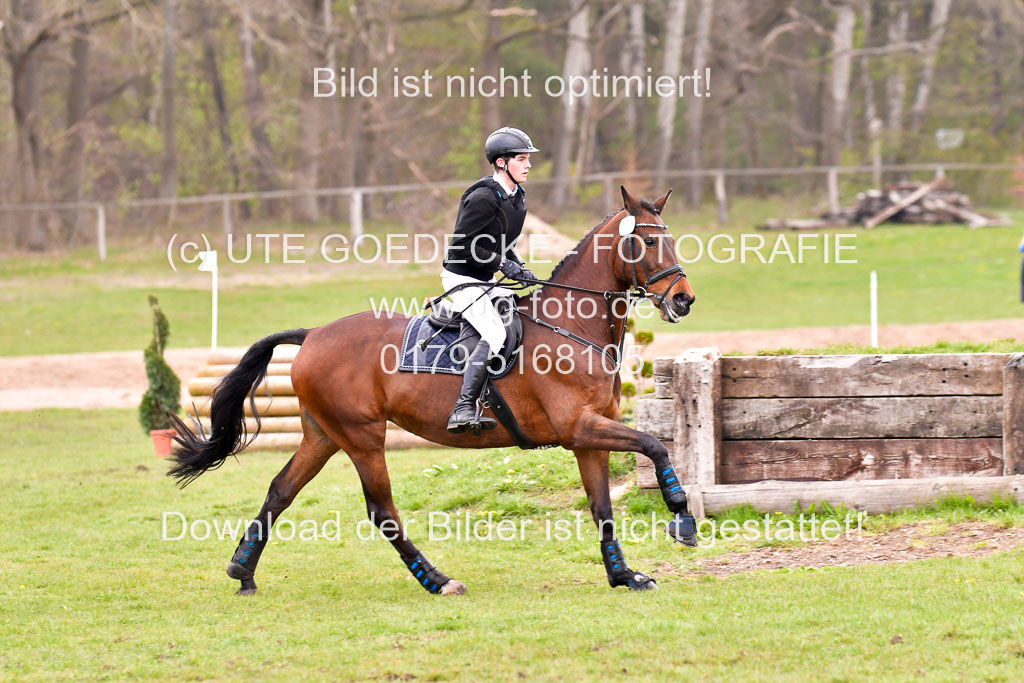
(346, 396)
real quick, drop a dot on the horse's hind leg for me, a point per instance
(373, 472)
(594, 472)
(314, 451)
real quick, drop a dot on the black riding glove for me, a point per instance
(513, 270)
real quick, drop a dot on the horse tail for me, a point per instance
(197, 453)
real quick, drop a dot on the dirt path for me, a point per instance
(904, 544)
(116, 379)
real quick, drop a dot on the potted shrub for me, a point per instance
(164, 393)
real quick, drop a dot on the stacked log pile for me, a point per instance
(904, 202)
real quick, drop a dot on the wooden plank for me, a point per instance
(896, 207)
(279, 406)
(698, 421)
(655, 417)
(872, 497)
(284, 353)
(857, 459)
(862, 418)
(278, 424)
(223, 369)
(278, 386)
(937, 374)
(645, 477)
(1013, 415)
(663, 377)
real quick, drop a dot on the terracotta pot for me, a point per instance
(163, 439)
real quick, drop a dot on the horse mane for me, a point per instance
(575, 251)
(647, 205)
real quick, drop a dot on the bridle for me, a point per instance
(634, 294)
(633, 258)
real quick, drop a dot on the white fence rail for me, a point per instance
(608, 180)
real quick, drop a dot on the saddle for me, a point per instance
(439, 343)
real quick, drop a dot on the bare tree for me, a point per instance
(206, 27)
(307, 158)
(73, 162)
(255, 107)
(695, 105)
(842, 58)
(896, 86)
(633, 63)
(169, 162)
(672, 64)
(576, 63)
(936, 29)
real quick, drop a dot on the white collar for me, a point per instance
(499, 177)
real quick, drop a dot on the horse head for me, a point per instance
(644, 256)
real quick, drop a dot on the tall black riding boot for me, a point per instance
(466, 417)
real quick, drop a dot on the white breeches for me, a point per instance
(476, 307)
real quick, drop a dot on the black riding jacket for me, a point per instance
(487, 227)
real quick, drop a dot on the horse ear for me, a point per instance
(629, 202)
(659, 203)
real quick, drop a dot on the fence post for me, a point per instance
(101, 232)
(697, 379)
(833, 190)
(940, 172)
(609, 194)
(720, 198)
(355, 213)
(226, 216)
(1013, 416)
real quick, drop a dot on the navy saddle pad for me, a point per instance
(446, 352)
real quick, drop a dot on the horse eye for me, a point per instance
(650, 241)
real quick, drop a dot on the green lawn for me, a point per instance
(90, 590)
(71, 302)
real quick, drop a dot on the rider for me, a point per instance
(489, 222)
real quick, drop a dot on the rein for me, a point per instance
(635, 293)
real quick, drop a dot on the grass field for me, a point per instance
(91, 591)
(71, 302)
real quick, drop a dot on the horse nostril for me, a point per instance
(684, 300)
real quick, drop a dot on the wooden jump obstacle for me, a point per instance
(872, 432)
(276, 403)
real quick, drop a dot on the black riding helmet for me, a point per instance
(506, 142)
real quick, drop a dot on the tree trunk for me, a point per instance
(219, 100)
(169, 163)
(633, 63)
(896, 87)
(25, 101)
(74, 147)
(672, 60)
(867, 83)
(490, 64)
(936, 29)
(695, 105)
(307, 159)
(255, 112)
(842, 58)
(332, 116)
(577, 63)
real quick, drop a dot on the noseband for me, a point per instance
(634, 258)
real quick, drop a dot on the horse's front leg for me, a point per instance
(596, 432)
(594, 472)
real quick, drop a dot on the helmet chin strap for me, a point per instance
(507, 173)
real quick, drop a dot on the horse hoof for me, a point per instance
(683, 529)
(642, 582)
(237, 571)
(246, 591)
(453, 587)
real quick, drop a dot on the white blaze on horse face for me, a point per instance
(627, 225)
